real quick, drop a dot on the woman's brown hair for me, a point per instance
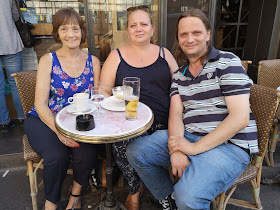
(65, 16)
(136, 8)
(179, 55)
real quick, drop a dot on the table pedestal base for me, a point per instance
(110, 202)
(117, 206)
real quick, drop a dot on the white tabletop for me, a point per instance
(113, 127)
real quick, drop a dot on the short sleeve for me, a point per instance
(174, 83)
(233, 78)
(15, 12)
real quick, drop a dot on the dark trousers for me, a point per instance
(56, 157)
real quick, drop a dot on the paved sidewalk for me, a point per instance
(14, 192)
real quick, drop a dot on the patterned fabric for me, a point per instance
(119, 152)
(63, 86)
(203, 96)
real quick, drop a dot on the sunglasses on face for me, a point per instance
(141, 7)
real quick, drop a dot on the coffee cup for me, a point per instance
(80, 101)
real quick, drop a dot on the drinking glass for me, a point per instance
(97, 96)
(131, 90)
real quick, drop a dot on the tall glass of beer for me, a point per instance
(131, 90)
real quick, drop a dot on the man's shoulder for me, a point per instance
(216, 54)
(226, 54)
(223, 59)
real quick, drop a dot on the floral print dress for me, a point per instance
(63, 86)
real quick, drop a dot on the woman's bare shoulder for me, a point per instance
(113, 57)
(94, 59)
(45, 62)
(46, 58)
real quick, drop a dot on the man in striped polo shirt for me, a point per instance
(211, 130)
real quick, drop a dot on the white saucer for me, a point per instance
(113, 104)
(72, 109)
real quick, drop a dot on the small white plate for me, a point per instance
(113, 104)
(72, 109)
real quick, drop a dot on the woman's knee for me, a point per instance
(57, 158)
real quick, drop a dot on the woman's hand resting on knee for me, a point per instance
(67, 142)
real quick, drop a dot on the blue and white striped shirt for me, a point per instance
(203, 96)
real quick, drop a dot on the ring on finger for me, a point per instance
(66, 141)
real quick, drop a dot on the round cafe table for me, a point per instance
(113, 127)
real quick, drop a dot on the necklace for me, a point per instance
(77, 57)
(141, 59)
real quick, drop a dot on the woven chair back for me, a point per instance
(245, 64)
(269, 73)
(264, 103)
(26, 82)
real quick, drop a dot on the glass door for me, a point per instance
(175, 8)
(232, 25)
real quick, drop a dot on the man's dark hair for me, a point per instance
(179, 55)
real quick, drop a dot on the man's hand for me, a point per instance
(179, 163)
(179, 143)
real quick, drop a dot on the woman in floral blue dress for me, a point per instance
(61, 74)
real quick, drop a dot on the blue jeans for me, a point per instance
(12, 63)
(208, 175)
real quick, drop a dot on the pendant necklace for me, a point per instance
(141, 59)
(77, 57)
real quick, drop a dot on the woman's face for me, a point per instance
(139, 27)
(70, 35)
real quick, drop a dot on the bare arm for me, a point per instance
(96, 69)
(179, 160)
(108, 72)
(42, 96)
(171, 61)
(237, 119)
(175, 121)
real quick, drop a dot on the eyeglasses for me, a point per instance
(141, 7)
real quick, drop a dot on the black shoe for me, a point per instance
(168, 203)
(5, 127)
(20, 122)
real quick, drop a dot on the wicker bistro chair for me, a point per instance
(245, 64)
(264, 103)
(26, 81)
(269, 76)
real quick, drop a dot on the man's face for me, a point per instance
(192, 36)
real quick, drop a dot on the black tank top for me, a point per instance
(155, 81)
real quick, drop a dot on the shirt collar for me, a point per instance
(214, 54)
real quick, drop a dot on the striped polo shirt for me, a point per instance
(203, 96)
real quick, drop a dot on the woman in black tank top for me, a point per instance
(154, 66)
